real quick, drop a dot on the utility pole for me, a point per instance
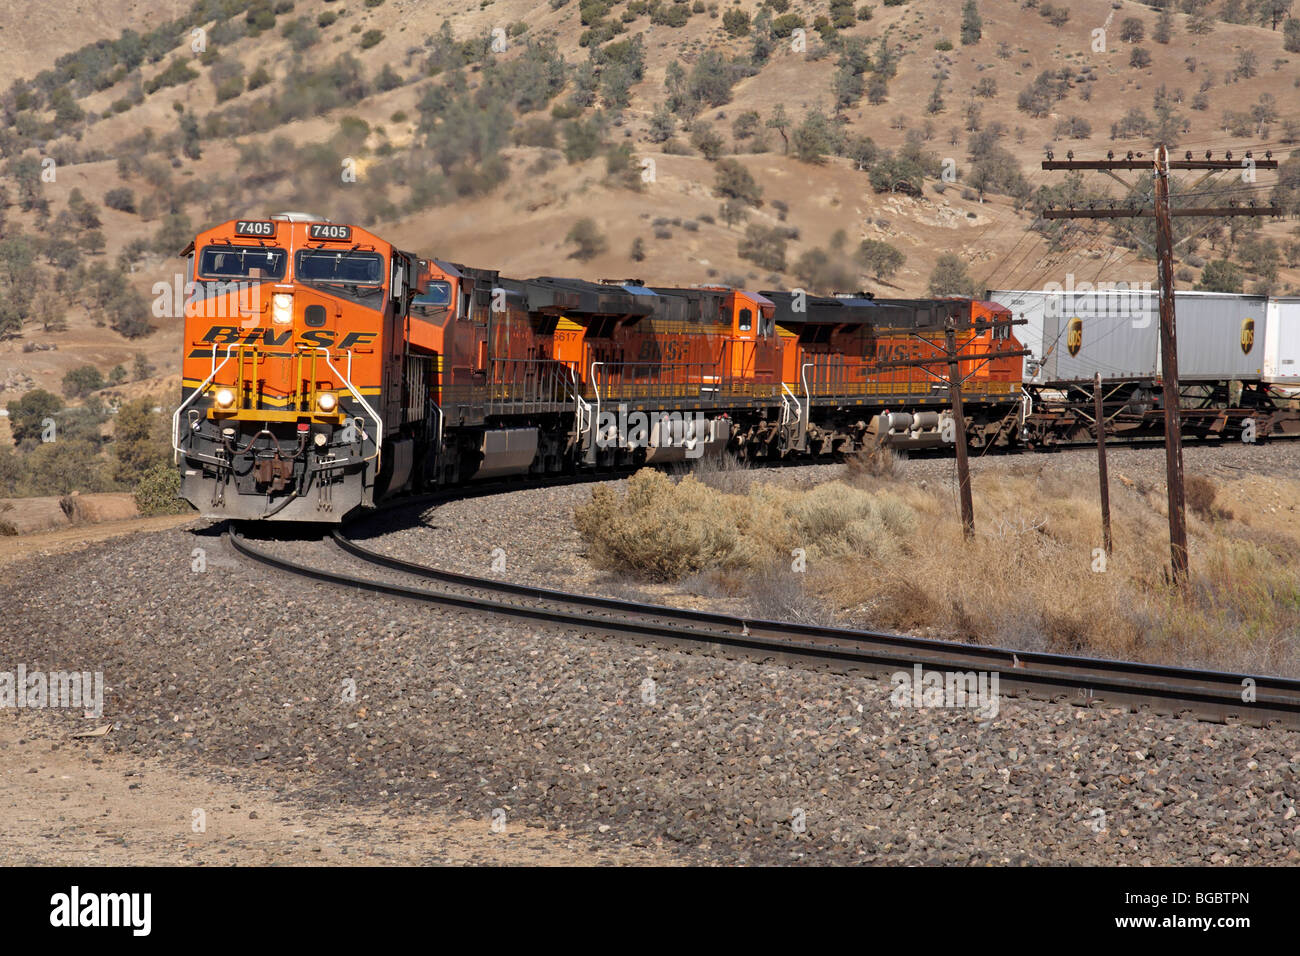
(1169, 372)
(1163, 214)
(953, 356)
(1101, 463)
(959, 418)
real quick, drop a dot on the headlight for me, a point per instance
(281, 308)
(225, 398)
(327, 401)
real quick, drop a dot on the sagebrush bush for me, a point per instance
(663, 530)
(157, 491)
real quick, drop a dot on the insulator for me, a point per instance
(1130, 156)
(1188, 155)
(1069, 155)
(1208, 154)
(1110, 154)
(1269, 154)
(1249, 155)
(1049, 155)
(1228, 155)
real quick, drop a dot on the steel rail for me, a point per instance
(1203, 694)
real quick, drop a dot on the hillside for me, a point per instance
(482, 132)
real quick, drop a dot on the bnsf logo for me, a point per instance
(893, 353)
(326, 338)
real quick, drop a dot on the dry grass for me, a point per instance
(1032, 578)
(871, 463)
(722, 471)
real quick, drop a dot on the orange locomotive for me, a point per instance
(836, 369)
(295, 398)
(325, 369)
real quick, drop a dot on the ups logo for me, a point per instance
(1074, 335)
(1247, 335)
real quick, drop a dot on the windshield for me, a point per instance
(339, 266)
(242, 262)
(439, 294)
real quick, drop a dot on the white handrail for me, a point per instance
(785, 406)
(176, 416)
(379, 424)
(595, 384)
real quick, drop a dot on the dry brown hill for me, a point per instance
(520, 225)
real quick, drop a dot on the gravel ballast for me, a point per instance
(245, 674)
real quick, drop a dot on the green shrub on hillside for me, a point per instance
(82, 381)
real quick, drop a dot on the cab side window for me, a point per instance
(746, 320)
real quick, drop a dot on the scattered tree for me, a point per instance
(950, 277)
(972, 25)
(586, 235)
(880, 258)
(1220, 275)
(81, 381)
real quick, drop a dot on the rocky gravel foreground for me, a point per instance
(246, 674)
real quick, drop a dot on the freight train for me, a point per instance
(325, 370)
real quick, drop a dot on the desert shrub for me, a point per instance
(588, 239)
(82, 381)
(140, 439)
(764, 247)
(706, 140)
(662, 530)
(66, 465)
(121, 199)
(658, 530)
(815, 137)
(27, 414)
(736, 22)
(950, 277)
(176, 73)
(582, 140)
(157, 491)
(734, 181)
(1200, 494)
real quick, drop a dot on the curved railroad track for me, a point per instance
(1201, 694)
